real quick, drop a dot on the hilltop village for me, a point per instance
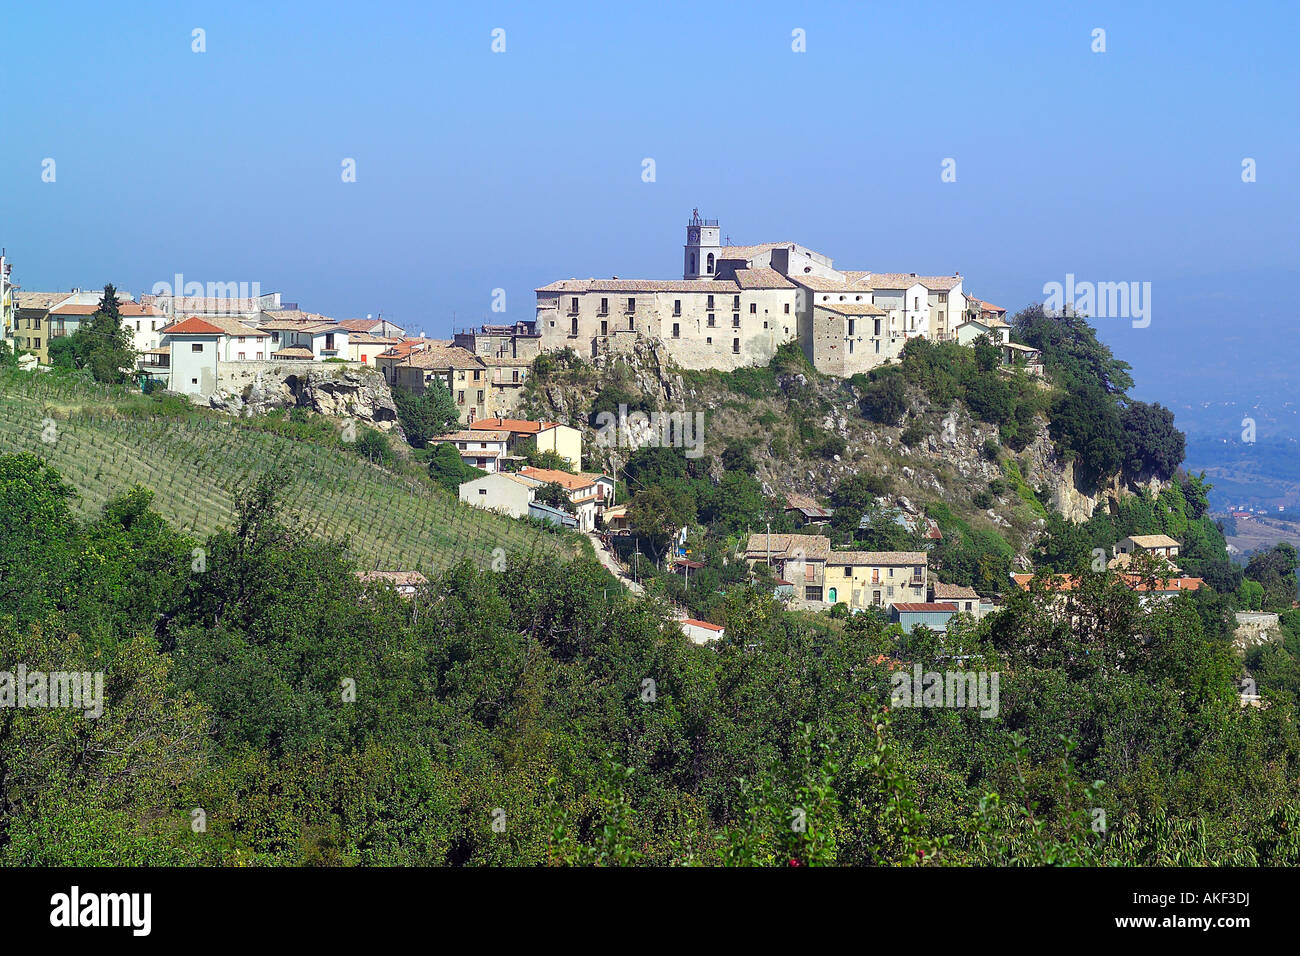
(733, 307)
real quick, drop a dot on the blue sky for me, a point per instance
(478, 170)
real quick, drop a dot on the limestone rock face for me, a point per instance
(1045, 468)
(337, 392)
(1255, 628)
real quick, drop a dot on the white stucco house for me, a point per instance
(481, 449)
(970, 330)
(324, 340)
(193, 346)
(506, 493)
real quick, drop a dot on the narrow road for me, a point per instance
(611, 563)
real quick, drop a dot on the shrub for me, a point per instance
(885, 400)
(914, 433)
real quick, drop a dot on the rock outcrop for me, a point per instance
(1044, 468)
(1255, 628)
(339, 392)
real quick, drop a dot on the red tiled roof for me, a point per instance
(518, 425)
(193, 326)
(704, 624)
(548, 475)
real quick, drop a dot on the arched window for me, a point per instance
(710, 263)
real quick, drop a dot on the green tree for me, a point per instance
(1152, 445)
(657, 515)
(448, 469)
(884, 400)
(426, 415)
(1275, 569)
(103, 344)
(554, 494)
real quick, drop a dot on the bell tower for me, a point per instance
(703, 249)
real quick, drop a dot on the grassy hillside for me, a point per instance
(196, 462)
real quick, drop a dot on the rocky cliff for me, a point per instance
(254, 388)
(951, 463)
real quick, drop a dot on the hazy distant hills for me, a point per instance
(1219, 350)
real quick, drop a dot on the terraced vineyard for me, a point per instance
(197, 464)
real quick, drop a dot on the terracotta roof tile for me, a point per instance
(192, 326)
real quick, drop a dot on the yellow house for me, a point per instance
(863, 579)
(548, 436)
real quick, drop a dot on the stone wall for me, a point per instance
(1255, 628)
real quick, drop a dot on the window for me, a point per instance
(735, 302)
(850, 326)
(573, 304)
(712, 322)
(477, 373)
(916, 303)
(848, 570)
(812, 593)
(677, 306)
(194, 381)
(574, 329)
(692, 262)
(516, 375)
(631, 305)
(787, 308)
(137, 326)
(604, 306)
(460, 398)
(241, 340)
(710, 304)
(196, 347)
(850, 346)
(753, 308)
(480, 396)
(241, 356)
(735, 346)
(677, 330)
(709, 340)
(735, 321)
(710, 263)
(482, 491)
